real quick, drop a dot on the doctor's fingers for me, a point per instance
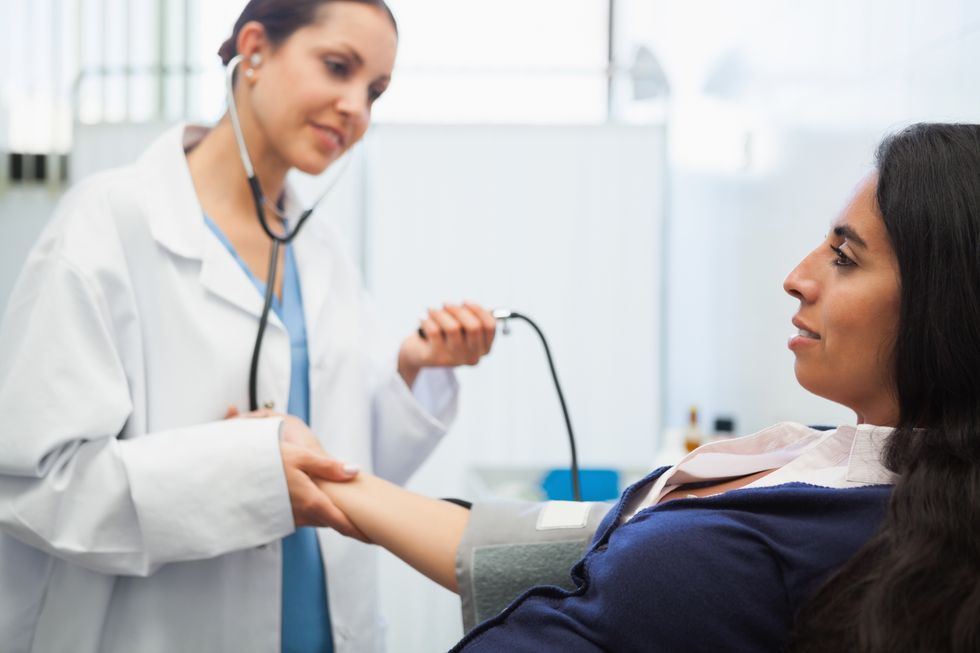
(295, 431)
(317, 464)
(465, 341)
(452, 330)
(487, 321)
(474, 340)
(312, 507)
(487, 324)
(431, 330)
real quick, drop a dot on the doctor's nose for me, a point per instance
(354, 104)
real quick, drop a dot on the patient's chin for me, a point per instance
(813, 383)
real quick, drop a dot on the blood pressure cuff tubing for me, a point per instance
(509, 546)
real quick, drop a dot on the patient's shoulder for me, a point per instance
(788, 537)
(749, 558)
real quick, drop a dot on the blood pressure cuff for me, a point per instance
(509, 546)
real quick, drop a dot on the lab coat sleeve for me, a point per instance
(409, 423)
(72, 487)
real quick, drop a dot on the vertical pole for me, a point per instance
(5, 148)
(162, 60)
(56, 49)
(104, 64)
(611, 64)
(186, 69)
(79, 53)
(31, 89)
(127, 27)
(75, 92)
(666, 259)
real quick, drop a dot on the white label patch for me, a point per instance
(563, 514)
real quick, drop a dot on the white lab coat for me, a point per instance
(133, 517)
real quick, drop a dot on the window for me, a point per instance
(501, 61)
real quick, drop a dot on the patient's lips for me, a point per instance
(804, 335)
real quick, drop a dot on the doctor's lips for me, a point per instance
(331, 136)
(803, 331)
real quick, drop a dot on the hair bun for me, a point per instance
(227, 51)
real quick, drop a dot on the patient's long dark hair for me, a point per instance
(916, 585)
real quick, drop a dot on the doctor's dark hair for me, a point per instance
(915, 586)
(281, 18)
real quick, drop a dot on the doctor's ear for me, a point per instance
(254, 62)
(251, 41)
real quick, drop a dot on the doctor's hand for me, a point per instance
(304, 462)
(454, 335)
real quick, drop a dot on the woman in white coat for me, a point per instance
(133, 515)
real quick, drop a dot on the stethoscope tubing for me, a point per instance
(278, 240)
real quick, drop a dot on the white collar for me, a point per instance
(170, 201)
(848, 456)
(867, 447)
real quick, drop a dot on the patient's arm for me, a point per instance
(423, 532)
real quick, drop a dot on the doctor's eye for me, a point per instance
(337, 67)
(374, 92)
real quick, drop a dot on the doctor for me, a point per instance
(133, 516)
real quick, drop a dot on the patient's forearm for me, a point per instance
(423, 532)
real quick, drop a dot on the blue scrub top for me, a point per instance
(305, 612)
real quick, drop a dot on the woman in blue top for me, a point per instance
(862, 538)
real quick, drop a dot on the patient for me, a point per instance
(863, 538)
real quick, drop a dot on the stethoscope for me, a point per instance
(285, 238)
(278, 239)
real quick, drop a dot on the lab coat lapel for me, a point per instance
(222, 275)
(177, 221)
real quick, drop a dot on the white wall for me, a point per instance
(560, 223)
(776, 113)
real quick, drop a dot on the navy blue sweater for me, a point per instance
(722, 573)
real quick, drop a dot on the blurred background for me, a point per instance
(636, 175)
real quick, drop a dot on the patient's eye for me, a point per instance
(842, 260)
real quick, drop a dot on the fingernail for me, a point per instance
(351, 468)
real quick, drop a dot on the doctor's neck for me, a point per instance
(219, 177)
